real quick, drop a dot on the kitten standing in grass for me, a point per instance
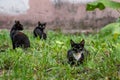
(18, 38)
(39, 31)
(76, 54)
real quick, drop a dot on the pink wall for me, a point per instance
(66, 16)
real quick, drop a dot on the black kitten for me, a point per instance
(16, 27)
(39, 31)
(76, 54)
(18, 38)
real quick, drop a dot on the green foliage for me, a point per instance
(118, 20)
(111, 4)
(46, 60)
(111, 30)
(93, 6)
(101, 4)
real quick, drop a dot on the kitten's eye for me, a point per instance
(80, 48)
(74, 48)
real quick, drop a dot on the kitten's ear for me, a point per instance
(39, 23)
(17, 22)
(82, 43)
(72, 43)
(44, 24)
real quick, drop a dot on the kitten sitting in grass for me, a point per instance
(76, 54)
(18, 38)
(39, 31)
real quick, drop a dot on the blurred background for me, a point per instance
(64, 15)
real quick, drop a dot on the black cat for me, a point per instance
(76, 54)
(39, 31)
(18, 38)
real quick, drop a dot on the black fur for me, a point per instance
(76, 48)
(39, 31)
(18, 38)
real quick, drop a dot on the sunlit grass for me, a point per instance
(46, 60)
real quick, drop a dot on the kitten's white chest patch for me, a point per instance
(77, 56)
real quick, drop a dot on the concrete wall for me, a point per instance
(64, 15)
(72, 1)
(14, 7)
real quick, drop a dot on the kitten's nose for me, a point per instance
(78, 50)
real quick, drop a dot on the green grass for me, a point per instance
(46, 60)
